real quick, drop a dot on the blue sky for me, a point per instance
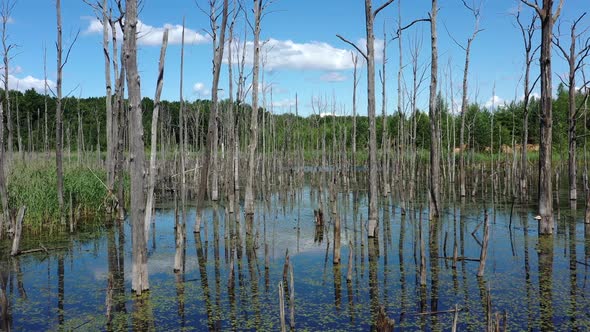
(304, 54)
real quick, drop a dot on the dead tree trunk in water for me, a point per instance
(464, 100)
(355, 82)
(249, 197)
(545, 195)
(433, 112)
(384, 139)
(179, 255)
(140, 281)
(370, 58)
(575, 59)
(154, 140)
(111, 139)
(529, 53)
(58, 117)
(210, 162)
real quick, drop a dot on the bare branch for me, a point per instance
(413, 22)
(535, 6)
(558, 11)
(353, 45)
(70, 49)
(383, 6)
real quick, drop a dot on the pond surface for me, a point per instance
(541, 284)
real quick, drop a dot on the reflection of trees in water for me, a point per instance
(115, 297)
(212, 323)
(5, 315)
(545, 254)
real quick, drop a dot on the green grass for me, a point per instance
(34, 185)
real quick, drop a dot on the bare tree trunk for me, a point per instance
(154, 139)
(230, 184)
(384, 139)
(3, 185)
(58, 117)
(5, 13)
(575, 59)
(355, 81)
(545, 195)
(527, 35)
(111, 139)
(46, 131)
(179, 255)
(140, 281)
(249, 196)
(119, 120)
(433, 114)
(464, 100)
(210, 161)
(370, 58)
(19, 139)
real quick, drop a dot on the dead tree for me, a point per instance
(249, 196)
(140, 281)
(355, 82)
(370, 59)
(464, 101)
(3, 184)
(179, 256)
(210, 161)
(154, 139)
(5, 16)
(545, 195)
(433, 112)
(529, 54)
(575, 59)
(384, 138)
(58, 115)
(46, 129)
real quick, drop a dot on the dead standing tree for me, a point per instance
(545, 195)
(102, 12)
(154, 139)
(7, 47)
(210, 162)
(464, 101)
(575, 59)
(529, 54)
(140, 281)
(370, 59)
(58, 110)
(249, 196)
(433, 112)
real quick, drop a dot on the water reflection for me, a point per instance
(414, 268)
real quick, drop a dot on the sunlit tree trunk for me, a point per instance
(249, 197)
(140, 281)
(545, 195)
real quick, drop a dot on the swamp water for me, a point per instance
(540, 284)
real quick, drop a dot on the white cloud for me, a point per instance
(28, 82)
(201, 90)
(495, 102)
(152, 36)
(287, 54)
(333, 77)
(313, 55)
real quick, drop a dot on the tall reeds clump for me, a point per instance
(34, 185)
